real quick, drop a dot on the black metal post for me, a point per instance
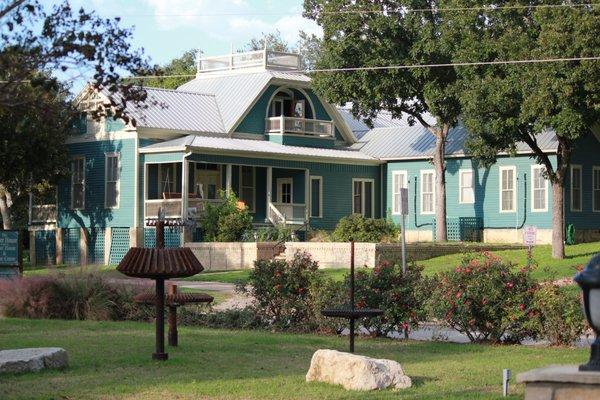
(160, 321)
(352, 295)
(173, 334)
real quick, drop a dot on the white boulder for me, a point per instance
(32, 360)
(355, 372)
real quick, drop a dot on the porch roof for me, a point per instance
(255, 148)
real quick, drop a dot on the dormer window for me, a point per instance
(289, 104)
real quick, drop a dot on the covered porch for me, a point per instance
(273, 195)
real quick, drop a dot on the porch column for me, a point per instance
(228, 178)
(269, 188)
(307, 197)
(184, 196)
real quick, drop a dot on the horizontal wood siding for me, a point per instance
(486, 189)
(95, 214)
(587, 155)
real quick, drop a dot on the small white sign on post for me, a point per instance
(529, 235)
(403, 201)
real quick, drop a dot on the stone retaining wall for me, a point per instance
(334, 255)
(225, 256)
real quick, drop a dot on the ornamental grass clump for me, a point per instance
(486, 299)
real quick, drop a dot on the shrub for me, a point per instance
(225, 221)
(360, 229)
(273, 234)
(557, 316)
(72, 296)
(327, 293)
(401, 297)
(319, 235)
(281, 290)
(484, 299)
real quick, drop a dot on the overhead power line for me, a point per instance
(397, 67)
(342, 12)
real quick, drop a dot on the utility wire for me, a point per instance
(399, 11)
(398, 67)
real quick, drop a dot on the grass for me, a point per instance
(547, 267)
(111, 360)
(243, 275)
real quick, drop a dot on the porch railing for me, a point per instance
(283, 213)
(300, 126)
(172, 208)
(46, 213)
(199, 205)
(251, 59)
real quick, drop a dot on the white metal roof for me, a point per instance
(177, 110)
(258, 147)
(408, 142)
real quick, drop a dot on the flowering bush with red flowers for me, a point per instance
(402, 297)
(487, 299)
(281, 290)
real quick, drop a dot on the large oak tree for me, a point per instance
(507, 104)
(376, 34)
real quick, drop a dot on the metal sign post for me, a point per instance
(404, 213)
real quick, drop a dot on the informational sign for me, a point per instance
(10, 254)
(529, 235)
(403, 201)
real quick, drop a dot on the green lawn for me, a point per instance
(111, 360)
(547, 267)
(242, 275)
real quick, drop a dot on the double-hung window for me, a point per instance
(248, 186)
(576, 192)
(399, 181)
(78, 183)
(467, 194)
(508, 189)
(363, 197)
(596, 189)
(316, 196)
(427, 192)
(112, 174)
(539, 189)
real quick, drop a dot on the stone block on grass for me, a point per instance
(32, 360)
(356, 372)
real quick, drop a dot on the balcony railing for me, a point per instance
(44, 214)
(300, 126)
(172, 207)
(253, 59)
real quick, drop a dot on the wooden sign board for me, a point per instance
(10, 254)
(529, 235)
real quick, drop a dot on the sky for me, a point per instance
(167, 28)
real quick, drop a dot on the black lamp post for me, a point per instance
(589, 280)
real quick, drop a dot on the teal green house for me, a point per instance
(251, 124)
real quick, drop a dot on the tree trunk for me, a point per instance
(440, 185)
(558, 231)
(5, 211)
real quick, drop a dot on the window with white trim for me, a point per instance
(467, 193)
(539, 189)
(316, 196)
(399, 181)
(596, 189)
(248, 186)
(427, 192)
(508, 189)
(363, 197)
(576, 192)
(167, 179)
(78, 183)
(112, 175)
